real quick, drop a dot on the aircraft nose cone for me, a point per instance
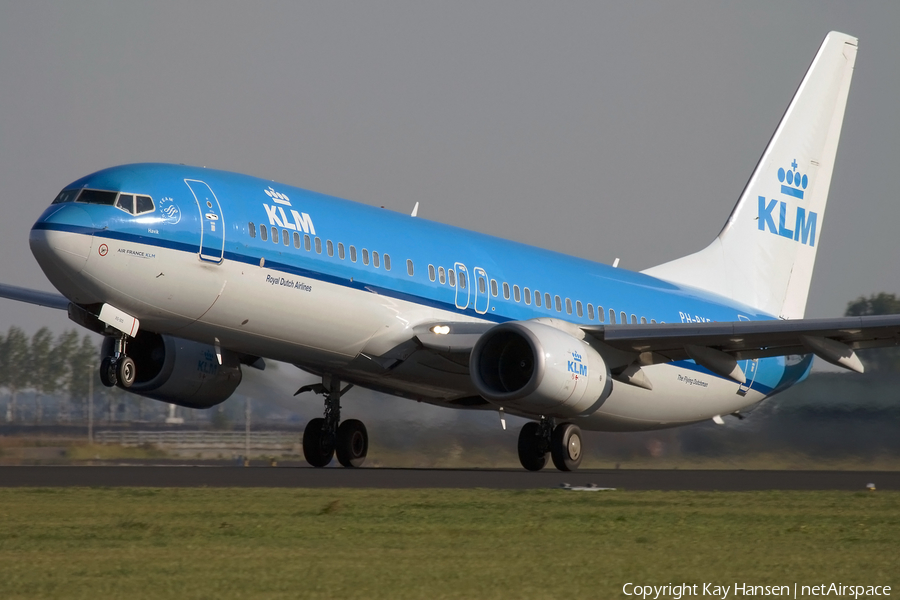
(61, 241)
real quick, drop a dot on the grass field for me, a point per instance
(278, 543)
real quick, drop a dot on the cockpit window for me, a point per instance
(126, 202)
(143, 204)
(66, 196)
(131, 203)
(98, 197)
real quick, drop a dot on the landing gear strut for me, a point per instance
(118, 369)
(562, 442)
(325, 437)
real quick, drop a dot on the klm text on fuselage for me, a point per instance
(804, 224)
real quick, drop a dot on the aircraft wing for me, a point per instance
(21, 294)
(716, 346)
(833, 340)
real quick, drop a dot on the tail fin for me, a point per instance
(764, 256)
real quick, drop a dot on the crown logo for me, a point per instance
(792, 182)
(277, 197)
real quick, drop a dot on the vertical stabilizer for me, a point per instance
(764, 256)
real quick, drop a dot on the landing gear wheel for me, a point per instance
(126, 371)
(352, 443)
(108, 376)
(318, 446)
(532, 451)
(565, 447)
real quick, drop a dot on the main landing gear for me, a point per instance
(118, 369)
(562, 442)
(325, 437)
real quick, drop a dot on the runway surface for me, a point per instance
(307, 477)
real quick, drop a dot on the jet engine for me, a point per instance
(538, 369)
(180, 371)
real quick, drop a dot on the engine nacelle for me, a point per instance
(538, 369)
(180, 371)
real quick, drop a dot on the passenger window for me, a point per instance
(643, 320)
(462, 280)
(431, 272)
(352, 253)
(547, 302)
(537, 298)
(451, 277)
(653, 321)
(612, 317)
(578, 309)
(375, 261)
(318, 246)
(387, 262)
(341, 250)
(517, 295)
(506, 290)
(285, 237)
(296, 240)
(494, 288)
(251, 228)
(329, 247)
(633, 320)
(558, 304)
(307, 243)
(274, 235)
(263, 233)
(526, 294)
(98, 197)
(365, 254)
(590, 311)
(482, 285)
(143, 204)
(409, 265)
(600, 313)
(126, 203)
(441, 275)
(568, 306)
(623, 318)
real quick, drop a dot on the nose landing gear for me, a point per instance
(325, 437)
(118, 369)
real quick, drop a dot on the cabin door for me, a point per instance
(212, 223)
(462, 286)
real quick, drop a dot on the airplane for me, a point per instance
(192, 274)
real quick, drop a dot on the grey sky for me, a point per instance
(599, 130)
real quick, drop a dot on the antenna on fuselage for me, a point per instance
(415, 210)
(616, 263)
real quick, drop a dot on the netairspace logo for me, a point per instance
(792, 184)
(686, 590)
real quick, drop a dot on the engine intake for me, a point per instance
(180, 371)
(538, 369)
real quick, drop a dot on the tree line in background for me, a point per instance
(61, 366)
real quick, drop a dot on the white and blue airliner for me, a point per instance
(193, 273)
